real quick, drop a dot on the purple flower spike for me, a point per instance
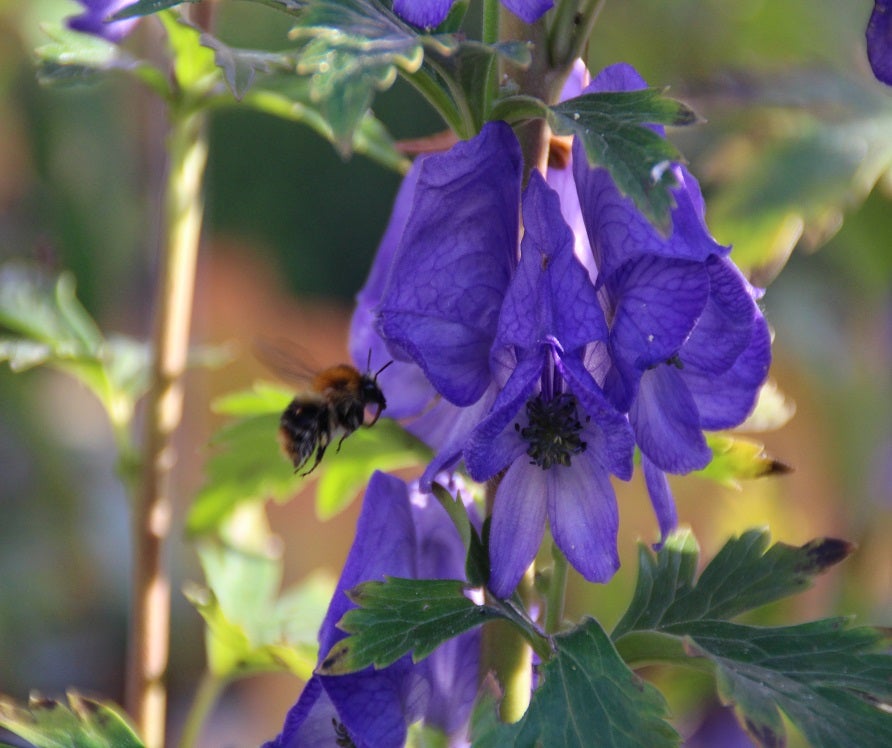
(406, 534)
(94, 19)
(879, 41)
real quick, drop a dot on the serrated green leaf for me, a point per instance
(587, 691)
(400, 616)
(742, 576)
(832, 681)
(735, 458)
(86, 724)
(612, 129)
(350, 49)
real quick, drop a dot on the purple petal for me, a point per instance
(442, 299)
(376, 705)
(666, 422)
(94, 17)
(384, 545)
(879, 41)
(404, 385)
(616, 444)
(726, 326)
(725, 400)
(617, 231)
(528, 10)
(518, 523)
(494, 443)
(423, 13)
(583, 514)
(657, 303)
(452, 671)
(448, 428)
(660, 498)
(309, 721)
(551, 295)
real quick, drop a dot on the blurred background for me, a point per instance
(795, 124)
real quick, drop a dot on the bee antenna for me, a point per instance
(368, 363)
(383, 368)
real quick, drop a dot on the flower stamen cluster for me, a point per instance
(553, 431)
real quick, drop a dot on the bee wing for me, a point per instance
(286, 359)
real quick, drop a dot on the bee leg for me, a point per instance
(319, 453)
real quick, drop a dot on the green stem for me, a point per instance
(557, 590)
(209, 689)
(490, 33)
(586, 23)
(423, 82)
(507, 653)
(150, 612)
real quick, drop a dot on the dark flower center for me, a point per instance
(342, 737)
(553, 431)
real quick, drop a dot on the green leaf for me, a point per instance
(742, 576)
(587, 691)
(349, 50)
(86, 724)
(832, 681)
(72, 57)
(735, 458)
(251, 628)
(399, 616)
(289, 98)
(804, 148)
(612, 129)
(51, 327)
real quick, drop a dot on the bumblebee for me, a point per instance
(335, 403)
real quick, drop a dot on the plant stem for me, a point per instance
(557, 589)
(508, 654)
(150, 611)
(209, 688)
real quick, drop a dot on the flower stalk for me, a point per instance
(150, 612)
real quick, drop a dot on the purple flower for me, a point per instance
(94, 19)
(551, 428)
(430, 13)
(403, 533)
(879, 41)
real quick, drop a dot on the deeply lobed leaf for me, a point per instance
(612, 127)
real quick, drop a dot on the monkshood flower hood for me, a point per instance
(551, 356)
(401, 532)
